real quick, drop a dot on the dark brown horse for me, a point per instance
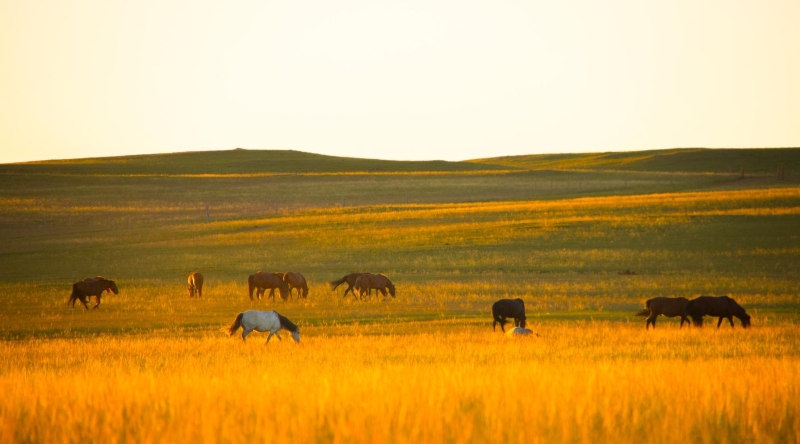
(379, 282)
(196, 284)
(508, 308)
(296, 280)
(262, 281)
(91, 287)
(718, 306)
(669, 307)
(350, 279)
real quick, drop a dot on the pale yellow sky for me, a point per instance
(432, 79)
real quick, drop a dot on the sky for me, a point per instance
(405, 80)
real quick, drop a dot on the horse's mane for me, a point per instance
(286, 323)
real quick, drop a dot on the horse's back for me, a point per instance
(196, 279)
(260, 320)
(667, 306)
(508, 307)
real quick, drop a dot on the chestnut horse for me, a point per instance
(296, 280)
(368, 281)
(719, 306)
(196, 284)
(91, 287)
(350, 279)
(669, 307)
(261, 281)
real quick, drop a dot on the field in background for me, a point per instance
(584, 249)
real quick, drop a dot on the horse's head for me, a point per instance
(296, 335)
(283, 289)
(522, 322)
(697, 320)
(113, 287)
(745, 320)
(392, 290)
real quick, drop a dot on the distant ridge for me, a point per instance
(249, 161)
(237, 161)
(690, 160)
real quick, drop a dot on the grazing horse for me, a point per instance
(91, 287)
(368, 281)
(669, 307)
(350, 279)
(263, 321)
(296, 280)
(508, 308)
(196, 283)
(261, 281)
(720, 306)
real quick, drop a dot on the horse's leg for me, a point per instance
(719, 322)
(651, 320)
(83, 301)
(269, 337)
(96, 300)
(245, 332)
(382, 290)
(278, 335)
(730, 319)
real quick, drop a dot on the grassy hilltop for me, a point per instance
(582, 239)
(689, 160)
(237, 161)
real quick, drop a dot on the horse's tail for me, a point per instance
(236, 324)
(337, 283)
(74, 295)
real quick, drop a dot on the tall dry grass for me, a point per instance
(430, 382)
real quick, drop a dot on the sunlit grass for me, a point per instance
(446, 381)
(153, 365)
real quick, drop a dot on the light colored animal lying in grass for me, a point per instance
(520, 331)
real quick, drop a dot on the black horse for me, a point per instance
(719, 306)
(508, 308)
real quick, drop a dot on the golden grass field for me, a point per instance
(446, 381)
(152, 365)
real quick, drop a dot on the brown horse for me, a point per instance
(91, 287)
(368, 281)
(350, 279)
(669, 307)
(196, 284)
(296, 280)
(261, 281)
(719, 306)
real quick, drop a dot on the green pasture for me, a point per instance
(453, 240)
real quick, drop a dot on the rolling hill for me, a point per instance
(237, 161)
(690, 160)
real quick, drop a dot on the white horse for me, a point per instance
(264, 321)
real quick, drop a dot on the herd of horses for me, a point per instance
(722, 307)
